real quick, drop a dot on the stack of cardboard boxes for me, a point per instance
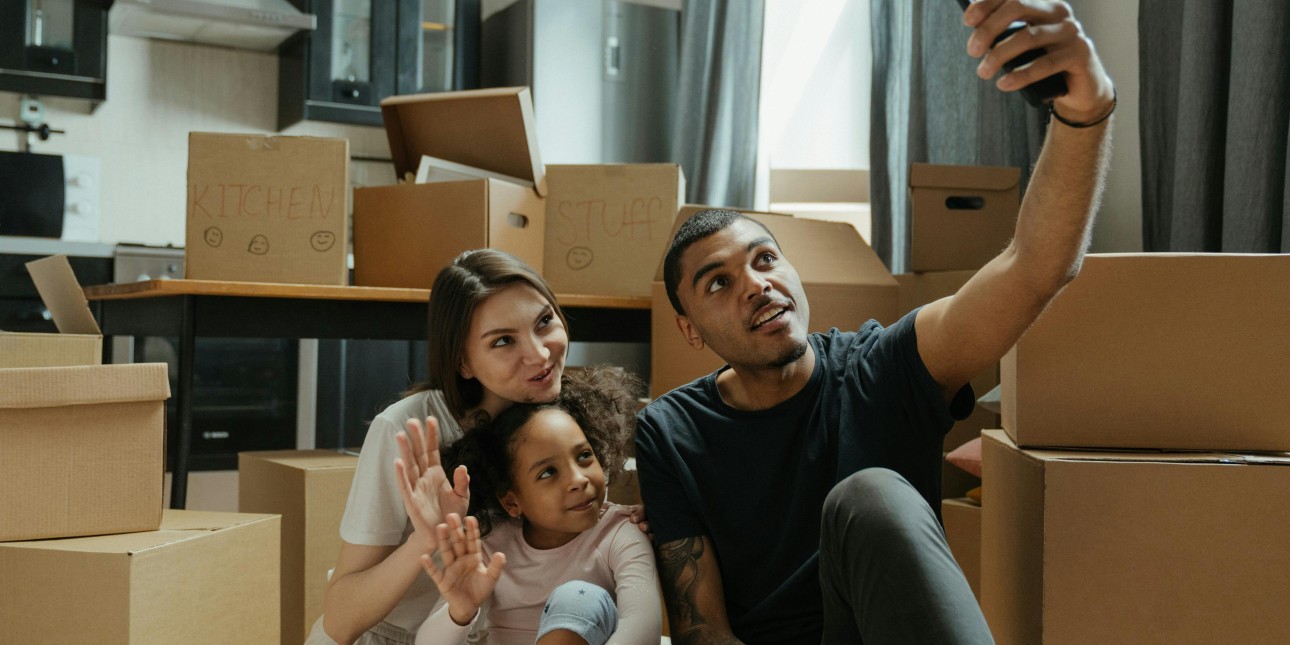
(961, 218)
(472, 177)
(1138, 492)
(86, 551)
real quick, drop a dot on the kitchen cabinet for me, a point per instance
(363, 51)
(54, 48)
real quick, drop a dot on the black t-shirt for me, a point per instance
(755, 482)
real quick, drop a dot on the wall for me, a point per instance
(157, 93)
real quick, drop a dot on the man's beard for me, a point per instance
(790, 356)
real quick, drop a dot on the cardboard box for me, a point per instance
(625, 488)
(1115, 547)
(267, 209)
(845, 283)
(405, 234)
(81, 450)
(962, 216)
(1157, 351)
(607, 226)
(78, 341)
(918, 289)
(962, 520)
(308, 488)
(202, 578)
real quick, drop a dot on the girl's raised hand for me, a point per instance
(428, 497)
(467, 578)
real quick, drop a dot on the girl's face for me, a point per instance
(515, 348)
(558, 483)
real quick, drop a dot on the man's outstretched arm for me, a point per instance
(692, 590)
(961, 336)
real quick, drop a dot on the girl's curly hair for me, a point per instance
(603, 402)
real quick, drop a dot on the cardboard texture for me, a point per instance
(1157, 351)
(1115, 547)
(267, 209)
(962, 216)
(308, 488)
(78, 341)
(203, 578)
(962, 520)
(918, 289)
(625, 487)
(608, 225)
(405, 234)
(81, 450)
(491, 129)
(845, 283)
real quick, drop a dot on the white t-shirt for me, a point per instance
(613, 555)
(374, 514)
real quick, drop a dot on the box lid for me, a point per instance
(304, 459)
(44, 387)
(922, 175)
(1141, 456)
(62, 295)
(176, 526)
(491, 129)
(822, 252)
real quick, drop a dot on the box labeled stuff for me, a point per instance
(78, 341)
(961, 216)
(1157, 351)
(1118, 547)
(308, 488)
(201, 578)
(844, 281)
(81, 450)
(473, 178)
(607, 226)
(267, 209)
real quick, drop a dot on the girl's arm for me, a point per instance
(640, 609)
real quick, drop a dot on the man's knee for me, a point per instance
(873, 501)
(582, 608)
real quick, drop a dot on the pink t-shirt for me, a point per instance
(613, 555)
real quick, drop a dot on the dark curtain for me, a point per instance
(1215, 125)
(928, 106)
(716, 126)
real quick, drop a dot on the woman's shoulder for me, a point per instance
(418, 405)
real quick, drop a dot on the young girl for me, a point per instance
(565, 567)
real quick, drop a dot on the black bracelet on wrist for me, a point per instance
(1074, 124)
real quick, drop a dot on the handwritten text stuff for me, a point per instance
(580, 225)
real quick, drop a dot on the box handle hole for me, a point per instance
(517, 220)
(964, 203)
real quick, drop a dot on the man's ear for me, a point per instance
(689, 332)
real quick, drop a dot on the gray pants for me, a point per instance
(885, 569)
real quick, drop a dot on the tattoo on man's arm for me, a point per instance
(678, 563)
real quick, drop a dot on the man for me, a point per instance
(791, 493)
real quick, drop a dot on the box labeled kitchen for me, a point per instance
(267, 209)
(1123, 547)
(961, 216)
(200, 578)
(1169, 351)
(607, 225)
(308, 488)
(843, 279)
(472, 178)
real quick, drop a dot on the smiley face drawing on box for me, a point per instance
(322, 241)
(579, 258)
(259, 245)
(213, 237)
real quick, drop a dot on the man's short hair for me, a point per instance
(698, 226)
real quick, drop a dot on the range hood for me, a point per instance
(260, 25)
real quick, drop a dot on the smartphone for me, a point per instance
(1041, 92)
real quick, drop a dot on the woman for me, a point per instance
(496, 336)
